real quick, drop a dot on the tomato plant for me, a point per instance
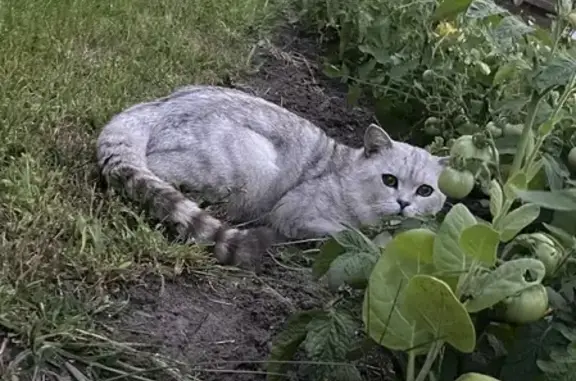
(439, 294)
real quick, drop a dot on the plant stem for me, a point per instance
(430, 358)
(533, 108)
(569, 90)
(411, 366)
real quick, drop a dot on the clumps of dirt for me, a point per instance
(223, 326)
(289, 74)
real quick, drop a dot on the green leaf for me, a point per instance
(515, 221)
(534, 170)
(397, 72)
(382, 239)
(346, 241)
(487, 289)
(385, 319)
(352, 268)
(556, 172)
(330, 336)
(345, 373)
(433, 305)
(547, 127)
(557, 72)
(496, 198)
(286, 344)
(449, 9)
(508, 70)
(448, 256)
(565, 220)
(329, 251)
(380, 55)
(512, 27)
(366, 69)
(563, 200)
(543, 36)
(480, 9)
(480, 242)
(332, 71)
(531, 341)
(566, 239)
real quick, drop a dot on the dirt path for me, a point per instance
(224, 325)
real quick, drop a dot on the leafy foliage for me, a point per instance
(468, 69)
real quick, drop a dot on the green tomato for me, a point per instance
(455, 184)
(572, 159)
(465, 147)
(428, 75)
(431, 126)
(543, 247)
(516, 130)
(572, 19)
(494, 130)
(432, 130)
(513, 129)
(529, 306)
(460, 120)
(484, 68)
(473, 376)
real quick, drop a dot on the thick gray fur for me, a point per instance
(269, 163)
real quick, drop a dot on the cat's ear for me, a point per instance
(443, 160)
(376, 140)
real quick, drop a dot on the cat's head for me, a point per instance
(393, 177)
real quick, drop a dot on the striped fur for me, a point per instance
(269, 163)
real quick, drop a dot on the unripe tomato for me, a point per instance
(516, 130)
(528, 306)
(455, 184)
(428, 75)
(464, 146)
(543, 247)
(572, 19)
(494, 130)
(473, 376)
(431, 126)
(572, 159)
(484, 68)
(513, 129)
(460, 120)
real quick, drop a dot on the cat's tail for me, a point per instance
(121, 154)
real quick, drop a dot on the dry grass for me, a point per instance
(65, 67)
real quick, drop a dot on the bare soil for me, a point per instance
(223, 326)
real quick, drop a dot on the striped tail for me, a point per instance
(122, 160)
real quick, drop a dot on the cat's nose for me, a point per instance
(403, 204)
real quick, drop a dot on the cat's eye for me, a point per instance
(424, 190)
(390, 180)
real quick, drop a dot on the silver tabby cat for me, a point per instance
(269, 163)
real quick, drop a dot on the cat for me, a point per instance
(270, 163)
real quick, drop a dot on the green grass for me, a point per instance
(66, 66)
